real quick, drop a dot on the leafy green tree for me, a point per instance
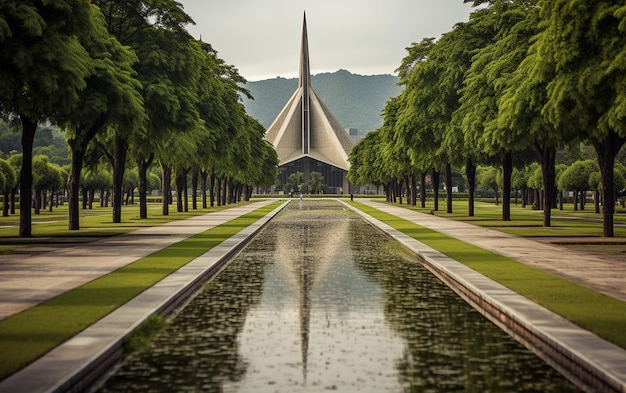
(583, 45)
(110, 99)
(506, 28)
(366, 166)
(47, 177)
(395, 156)
(9, 181)
(294, 182)
(577, 178)
(155, 30)
(316, 184)
(488, 178)
(418, 121)
(42, 68)
(15, 160)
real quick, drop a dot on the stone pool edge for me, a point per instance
(77, 364)
(592, 363)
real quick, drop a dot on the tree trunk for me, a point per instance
(36, 201)
(194, 190)
(212, 189)
(142, 167)
(185, 196)
(119, 163)
(507, 170)
(413, 190)
(218, 190)
(423, 189)
(6, 205)
(26, 176)
(166, 175)
(448, 188)
(435, 182)
(607, 151)
(224, 189)
(73, 186)
(547, 157)
(180, 180)
(583, 199)
(470, 173)
(13, 193)
(78, 147)
(203, 182)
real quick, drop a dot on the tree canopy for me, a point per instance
(126, 83)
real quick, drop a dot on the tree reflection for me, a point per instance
(199, 350)
(449, 346)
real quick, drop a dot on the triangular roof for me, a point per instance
(306, 127)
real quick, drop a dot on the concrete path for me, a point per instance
(600, 274)
(32, 279)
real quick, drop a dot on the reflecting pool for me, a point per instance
(320, 301)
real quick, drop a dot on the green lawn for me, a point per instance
(596, 312)
(52, 227)
(527, 222)
(26, 336)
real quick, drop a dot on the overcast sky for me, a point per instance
(262, 37)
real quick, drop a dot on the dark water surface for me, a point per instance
(322, 301)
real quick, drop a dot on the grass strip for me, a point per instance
(28, 335)
(596, 312)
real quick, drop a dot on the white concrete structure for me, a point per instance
(306, 135)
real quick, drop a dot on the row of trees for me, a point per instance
(521, 78)
(126, 76)
(580, 177)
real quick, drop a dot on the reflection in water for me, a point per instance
(321, 300)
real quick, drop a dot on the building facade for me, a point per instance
(307, 136)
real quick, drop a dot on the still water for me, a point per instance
(322, 301)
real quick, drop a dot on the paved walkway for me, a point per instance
(598, 273)
(26, 280)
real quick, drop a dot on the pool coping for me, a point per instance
(592, 363)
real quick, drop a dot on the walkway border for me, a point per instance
(77, 364)
(592, 363)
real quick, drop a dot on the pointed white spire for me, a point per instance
(305, 128)
(305, 69)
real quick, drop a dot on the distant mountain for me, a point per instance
(356, 101)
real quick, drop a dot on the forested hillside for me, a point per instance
(356, 100)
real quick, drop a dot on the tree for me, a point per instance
(46, 177)
(583, 45)
(110, 99)
(577, 178)
(506, 27)
(366, 165)
(156, 32)
(15, 160)
(294, 182)
(9, 180)
(488, 178)
(42, 68)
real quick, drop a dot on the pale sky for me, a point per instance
(261, 38)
